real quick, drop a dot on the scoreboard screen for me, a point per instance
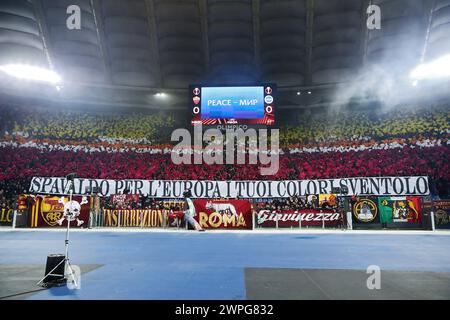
(233, 105)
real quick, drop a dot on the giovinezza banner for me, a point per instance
(298, 218)
(377, 186)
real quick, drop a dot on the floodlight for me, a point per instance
(28, 72)
(439, 68)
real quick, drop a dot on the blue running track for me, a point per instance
(209, 265)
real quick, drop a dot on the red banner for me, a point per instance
(291, 218)
(223, 214)
(48, 211)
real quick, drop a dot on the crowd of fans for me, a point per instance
(345, 127)
(142, 130)
(144, 202)
(27, 162)
(78, 126)
(10, 188)
(293, 203)
(46, 142)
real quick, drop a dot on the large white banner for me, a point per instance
(379, 186)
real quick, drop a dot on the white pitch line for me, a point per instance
(256, 231)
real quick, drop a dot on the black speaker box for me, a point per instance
(57, 275)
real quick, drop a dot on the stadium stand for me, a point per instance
(137, 146)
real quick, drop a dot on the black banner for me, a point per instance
(365, 211)
(441, 211)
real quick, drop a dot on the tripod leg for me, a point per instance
(71, 275)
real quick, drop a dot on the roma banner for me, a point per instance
(223, 214)
(46, 211)
(150, 218)
(292, 218)
(400, 209)
(365, 211)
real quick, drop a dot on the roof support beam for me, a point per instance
(203, 10)
(152, 24)
(364, 31)
(96, 12)
(430, 11)
(309, 41)
(40, 17)
(256, 6)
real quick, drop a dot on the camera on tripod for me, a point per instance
(58, 268)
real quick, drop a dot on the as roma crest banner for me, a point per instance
(223, 214)
(46, 211)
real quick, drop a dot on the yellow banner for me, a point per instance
(328, 199)
(135, 218)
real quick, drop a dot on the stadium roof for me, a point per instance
(126, 51)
